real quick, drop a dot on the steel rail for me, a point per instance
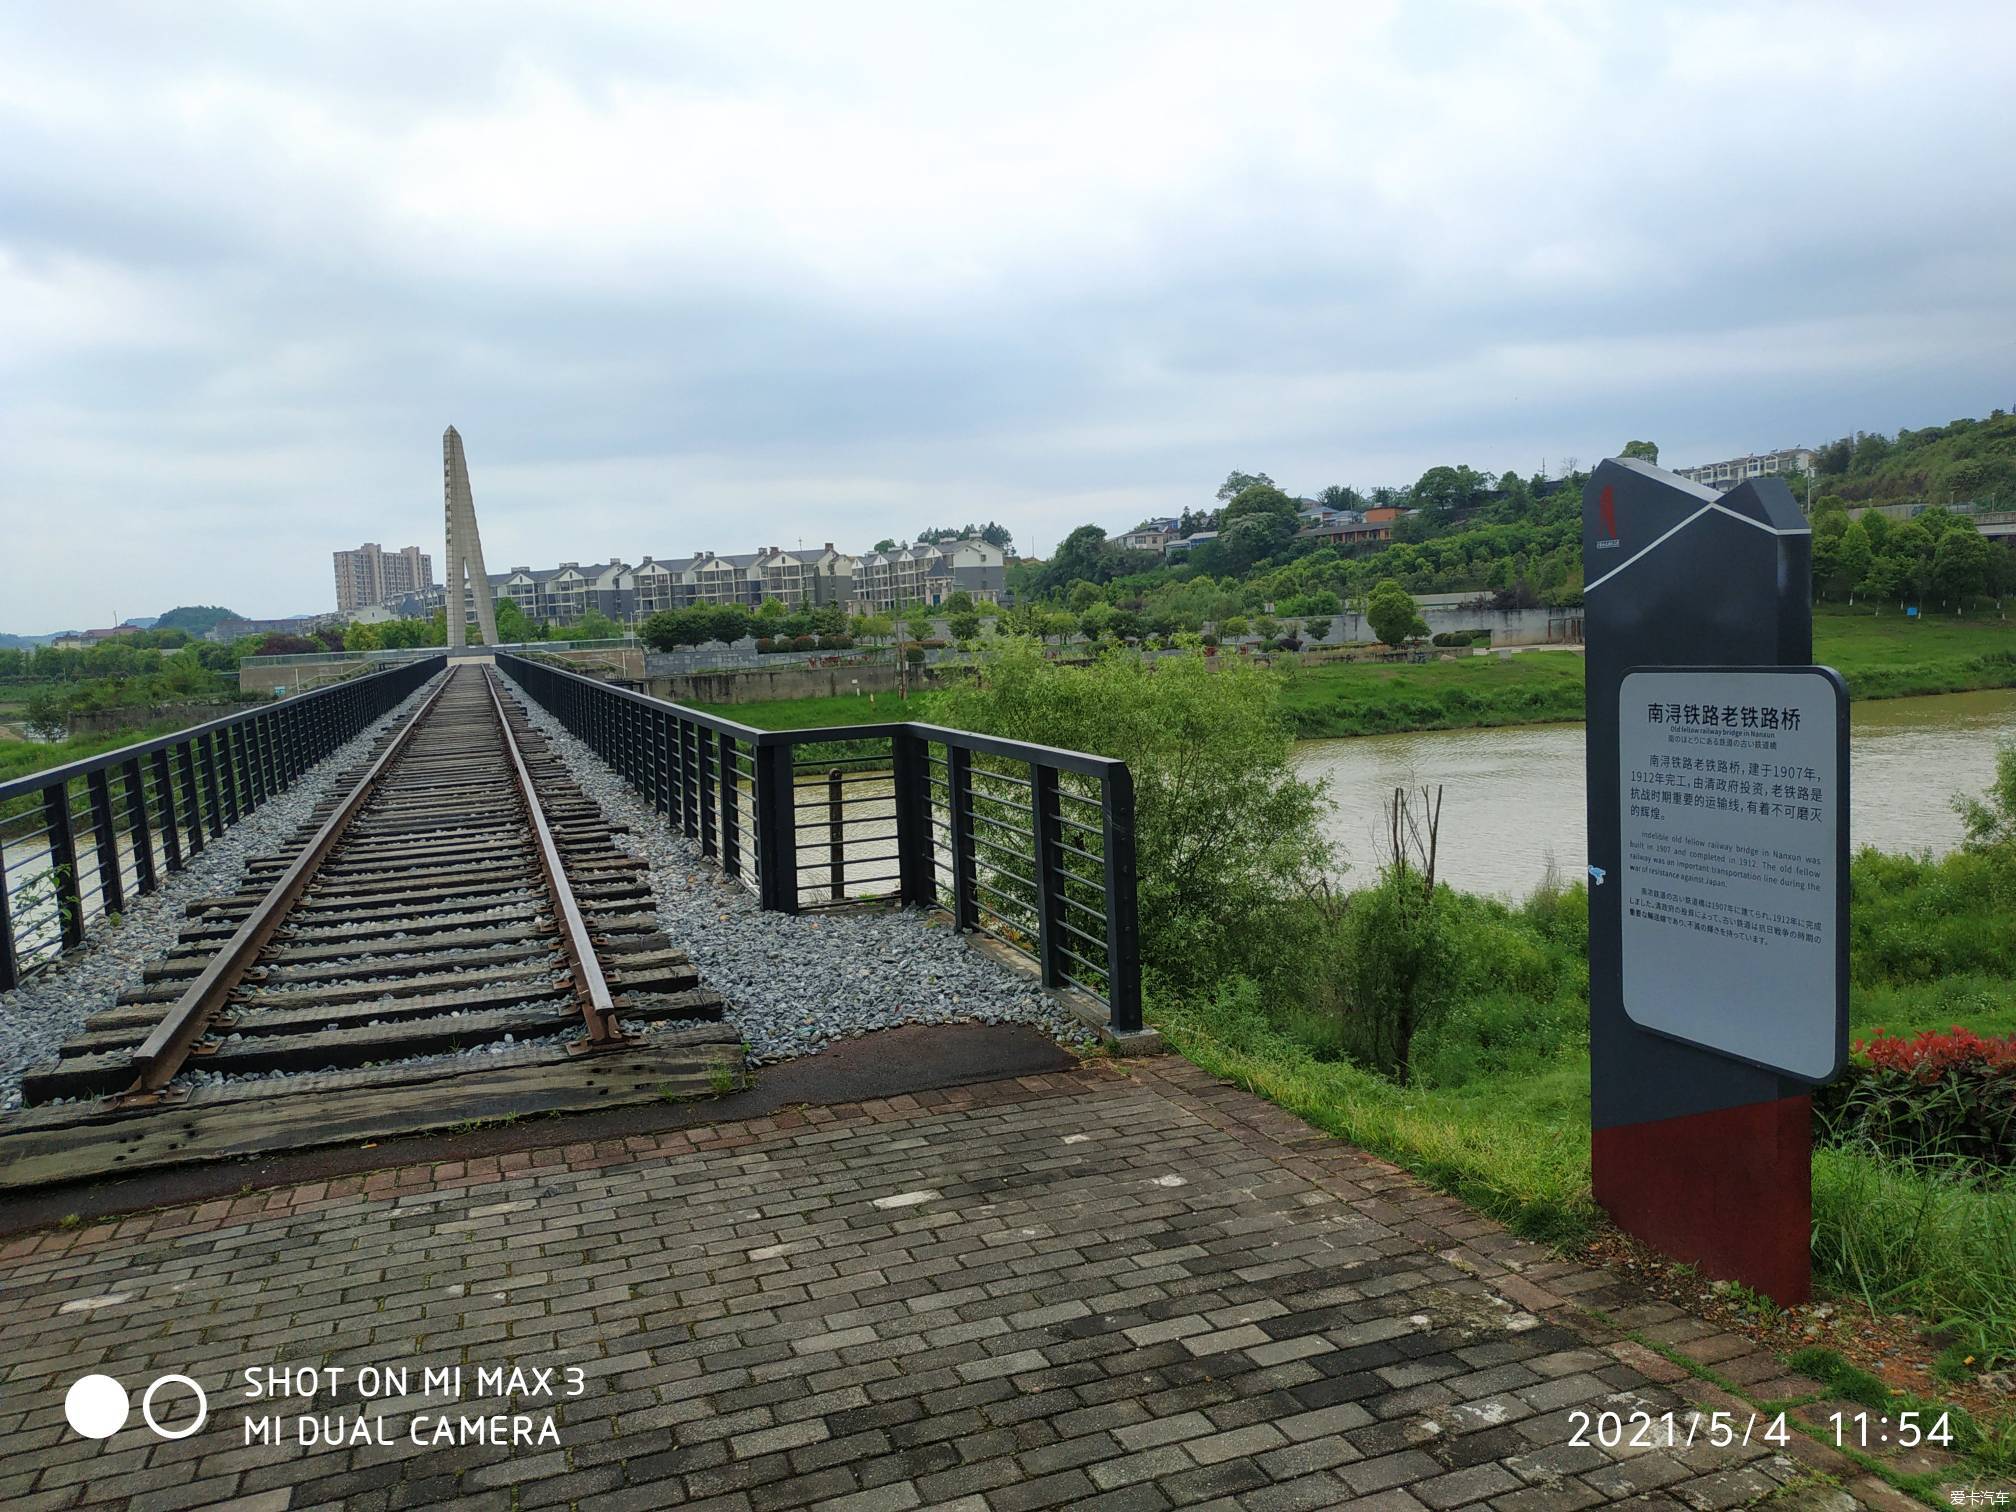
(161, 1056)
(591, 987)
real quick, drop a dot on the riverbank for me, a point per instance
(1881, 655)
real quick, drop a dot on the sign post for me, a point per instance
(1718, 834)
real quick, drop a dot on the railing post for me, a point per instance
(228, 761)
(1049, 870)
(136, 821)
(164, 795)
(776, 829)
(63, 859)
(703, 783)
(1123, 937)
(731, 818)
(211, 801)
(959, 820)
(105, 838)
(192, 808)
(661, 762)
(836, 836)
(689, 779)
(10, 962)
(912, 774)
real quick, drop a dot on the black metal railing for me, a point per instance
(78, 841)
(1031, 845)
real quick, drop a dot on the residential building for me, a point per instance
(1151, 535)
(929, 573)
(1188, 543)
(1723, 476)
(372, 575)
(1346, 534)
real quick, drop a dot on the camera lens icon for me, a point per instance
(98, 1406)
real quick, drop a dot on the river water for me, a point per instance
(1513, 798)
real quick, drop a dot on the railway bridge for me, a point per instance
(549, 1095)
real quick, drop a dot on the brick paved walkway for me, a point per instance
(1111, 1289)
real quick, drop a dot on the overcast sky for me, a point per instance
(730, 276)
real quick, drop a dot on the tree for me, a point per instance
(1853, 557)
(874, 627)
(594, 625)
(965, 627)
(1337, 496)
(1643, 451)
(1960, 565)
(959, 602)
(1316, 627)
(512, 624)
(1227, 838)
(44, 715)
(361, 637)
(1391, 612)
(1237, 482)
(918, 623)
(726, 623)
(885, 544)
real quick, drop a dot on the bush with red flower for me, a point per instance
(1946, 1098)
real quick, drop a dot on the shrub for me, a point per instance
(765, 645)
(914, 655)
(1932, 1098)
(836, 643)
(804, 643)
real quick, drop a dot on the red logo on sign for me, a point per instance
(1606, 508)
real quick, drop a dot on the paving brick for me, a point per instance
(1287, 1328)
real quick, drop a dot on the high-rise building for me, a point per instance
(371, 575)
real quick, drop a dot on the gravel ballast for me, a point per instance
(50, 1007)
(796, 982)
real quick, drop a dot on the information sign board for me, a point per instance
(1733, 815)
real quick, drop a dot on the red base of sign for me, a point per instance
(1729, 1192)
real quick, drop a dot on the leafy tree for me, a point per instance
(1238, 482)
(1853, 558)
(1316, 627)
(1337, 496)
(1084, 554)
(885, 544)
(44, 715)
(960, 602)
(1392, 614)
(1643, 451)
(361, 637)
(1960, 565)
(965, 626)
(918, 623)
(727, 623)
(512, 624)
(593, 625)
(1095, 620)
(1226, 832)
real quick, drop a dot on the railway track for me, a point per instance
(454, 935)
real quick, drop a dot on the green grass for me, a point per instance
(18, 758)
(1380, 698)
(1882, 655)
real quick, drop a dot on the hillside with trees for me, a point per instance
(1961, 462)
(1517, 539)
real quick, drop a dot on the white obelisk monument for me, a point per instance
(465, 548)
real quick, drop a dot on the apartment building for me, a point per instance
(929, 573)
(371, 575)
(800, 579)
(1723, 476)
